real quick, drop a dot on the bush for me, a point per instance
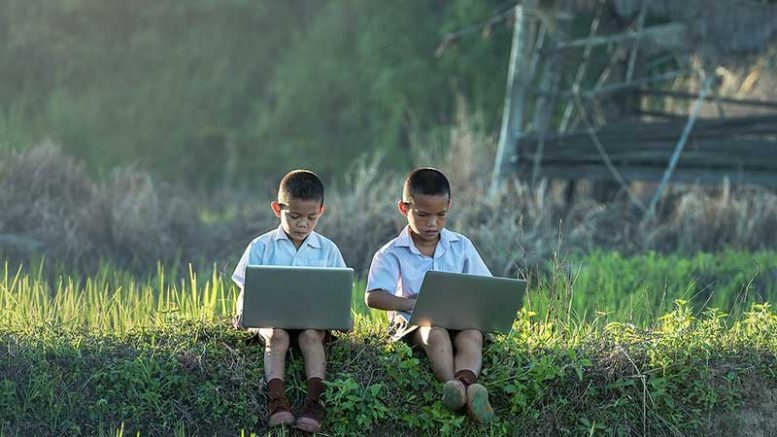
(49, 205)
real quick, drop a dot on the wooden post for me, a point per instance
(651, 213)
(515, 94)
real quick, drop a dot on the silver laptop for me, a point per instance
(298, 297)
(461, 301)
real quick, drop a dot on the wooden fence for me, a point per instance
(743, 149)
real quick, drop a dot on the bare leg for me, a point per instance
(437, 344)
(276, 344)
(469, 351)
(311, 343)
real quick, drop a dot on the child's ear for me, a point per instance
(322, 211)
(276, 208)
(402, 207)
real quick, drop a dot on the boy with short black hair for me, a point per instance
(395, 277)
(299, 206)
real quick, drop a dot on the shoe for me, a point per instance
(454, 394)
(311, 416)
(280, 412)
(478, 407)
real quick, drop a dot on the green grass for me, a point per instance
(636, 290)
(110, 354)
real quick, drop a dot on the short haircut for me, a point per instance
(425, 180)
(300, 185)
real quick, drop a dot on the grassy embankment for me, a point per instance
(603, 347)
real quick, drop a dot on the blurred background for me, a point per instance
(146, 131)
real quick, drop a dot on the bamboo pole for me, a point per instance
(651, 213)
(515, 95)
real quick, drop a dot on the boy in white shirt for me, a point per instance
(395, 277)
(299, 206)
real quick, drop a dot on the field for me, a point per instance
(605, 345)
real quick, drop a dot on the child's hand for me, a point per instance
(410, 304)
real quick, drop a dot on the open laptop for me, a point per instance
(461, 301)
(298, 297)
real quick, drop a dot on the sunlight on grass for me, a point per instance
(117, 301)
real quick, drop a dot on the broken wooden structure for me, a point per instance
(565, 117)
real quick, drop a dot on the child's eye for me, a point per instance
(293, 216)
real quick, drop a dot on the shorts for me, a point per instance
(293, 334)
(400, 331)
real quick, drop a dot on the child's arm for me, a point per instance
(381, 280)
(383, 300)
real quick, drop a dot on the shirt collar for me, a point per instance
(405, 240)
(312, 240)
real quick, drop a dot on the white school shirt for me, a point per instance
(399, 267)
(275, 249)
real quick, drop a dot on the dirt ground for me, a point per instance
(757, 417)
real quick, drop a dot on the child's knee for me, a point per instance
(470, 336)
(276, 338)
(436, 336)
(311, 337)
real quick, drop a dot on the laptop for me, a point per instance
(298, 297)
(461, 301)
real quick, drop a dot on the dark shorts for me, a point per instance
(294, 337)
(257, 337)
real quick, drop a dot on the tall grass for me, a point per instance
(112, 300)
(82, 355)
(132, 221)
(603, 285)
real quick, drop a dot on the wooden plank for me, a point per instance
(692, 158)
(684, 175)
(665, 35)
(728, 100)
(744, 148)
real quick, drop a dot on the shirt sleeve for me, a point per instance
(474, 264)
(384, 272)
(249, 255)
(335, 258)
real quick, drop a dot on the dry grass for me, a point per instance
(49, 205)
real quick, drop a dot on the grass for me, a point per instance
(111, 354)
(130, 220)
(636, 290)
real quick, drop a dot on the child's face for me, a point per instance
(298, 217)
(426, 215)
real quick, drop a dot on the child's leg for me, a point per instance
(276, 344)
(437, 344)
(311, 342)
(469, 352)
(468, 362)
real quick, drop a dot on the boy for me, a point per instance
(395, 277)
(299, 206)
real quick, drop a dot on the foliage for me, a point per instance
(108, 354)
(216, 94)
